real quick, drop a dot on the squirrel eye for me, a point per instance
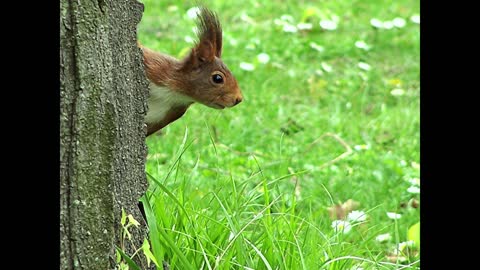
(217, 78)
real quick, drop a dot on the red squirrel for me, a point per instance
(199, 77)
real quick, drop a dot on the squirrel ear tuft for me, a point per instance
(210, 30)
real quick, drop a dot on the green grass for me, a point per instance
(249, 187)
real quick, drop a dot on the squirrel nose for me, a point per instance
(238, 100)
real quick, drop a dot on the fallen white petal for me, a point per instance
(393, 215)
(397, 92)
(189, 39)
(263, 58)
(326, 67)
(193, 12)
(357, 216)
(376, 23)
(399, 22)
(415, 18)
(328, 25)
(362, 45)
(414, 181)
(383, 237)
(287, 18)
(304, 26)
(361, 146)
(414, 190)
(247, 66)
(317, 47)
(289, 28)
(364, 66)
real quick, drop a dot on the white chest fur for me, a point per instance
(161, 101)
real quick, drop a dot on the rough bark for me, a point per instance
(102, 152)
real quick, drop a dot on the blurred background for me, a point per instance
(329, 125)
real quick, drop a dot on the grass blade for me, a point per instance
(129, 261)
(154, 234)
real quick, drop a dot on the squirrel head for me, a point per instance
(208, 79)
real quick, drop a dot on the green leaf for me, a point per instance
(118, 256)
(131, 220)
(129, 261)
(152, 225)
(124, 218)
(127, 234)
(148, 254)
(123, 266)
(414, 234)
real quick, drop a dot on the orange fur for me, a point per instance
(192, 79)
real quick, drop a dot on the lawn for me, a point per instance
(318, 167)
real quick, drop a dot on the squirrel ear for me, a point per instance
(205, 51)
(202, 53)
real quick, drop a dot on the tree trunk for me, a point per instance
(102, 136)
